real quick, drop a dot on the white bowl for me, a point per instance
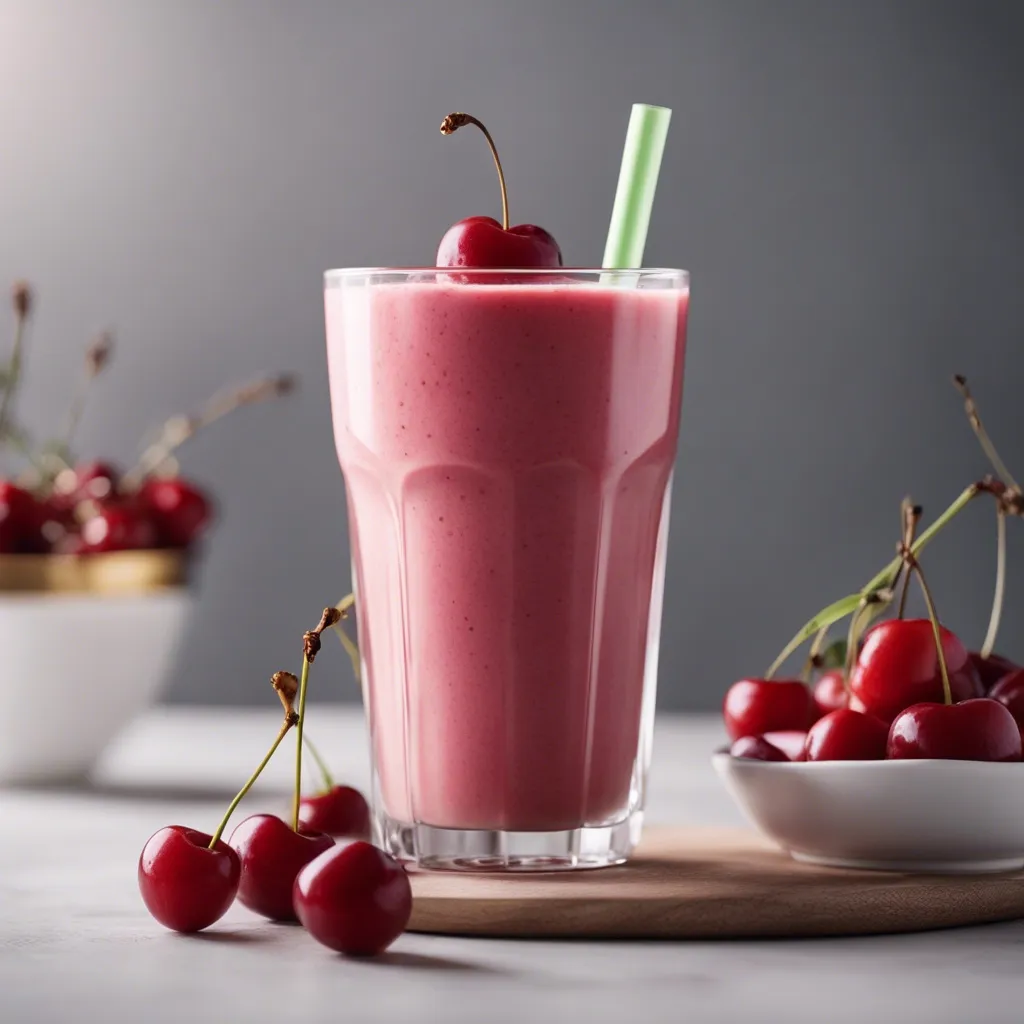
(74, 669)
(929, 815)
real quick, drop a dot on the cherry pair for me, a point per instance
(355, 899)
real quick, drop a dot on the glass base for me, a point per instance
(494, 850)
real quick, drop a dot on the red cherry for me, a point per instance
(898, 666)
(122, 527)
(185, 885)
(980, 729)
(50, 520)
(272, 855)
(341, 811)
(180, 510)
(756, 748)
(789, 741)
(89, 481)
(17, 518)
(354, 899)
(753, 707)
(991, 669)
(1009, 691)
(845, 735)
(483, 242)
(830, 693)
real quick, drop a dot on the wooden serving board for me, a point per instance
(689, 883)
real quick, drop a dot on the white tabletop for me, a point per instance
(77, 945)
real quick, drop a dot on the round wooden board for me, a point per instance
(689, 883)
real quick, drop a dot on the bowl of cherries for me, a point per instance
(898, 748)
(95, 569)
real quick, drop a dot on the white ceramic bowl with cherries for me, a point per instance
(898, 748)
(94, 572)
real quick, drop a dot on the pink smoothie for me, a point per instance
(507, 451)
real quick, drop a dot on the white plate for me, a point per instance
(932, 816)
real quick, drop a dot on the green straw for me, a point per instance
(634, 195)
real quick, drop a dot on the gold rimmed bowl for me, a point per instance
(86, 642)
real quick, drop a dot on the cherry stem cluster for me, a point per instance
(877, 592)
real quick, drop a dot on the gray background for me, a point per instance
(844, 180)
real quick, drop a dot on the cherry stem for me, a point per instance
(311, 644)
(911, 516)
(870, 605)
(288, 722)
(880, 581)
(320, 763)
(22, 299)
(947, 692)
(981, 433)
(997, 597)
(97, 356)
(344, 606)
(303, 681)
(852, 639)
(814, 654)
(457, 120)
(179, 429)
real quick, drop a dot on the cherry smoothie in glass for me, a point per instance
(507, 440)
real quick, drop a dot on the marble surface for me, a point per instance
(77, 945)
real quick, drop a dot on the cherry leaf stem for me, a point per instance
(320, 763)
(285, 726)
(303, 685)
(880, 581)
(826, 617)
(1000, 589)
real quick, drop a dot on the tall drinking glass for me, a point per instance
(507, 441)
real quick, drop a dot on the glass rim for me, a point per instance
(342, 274)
